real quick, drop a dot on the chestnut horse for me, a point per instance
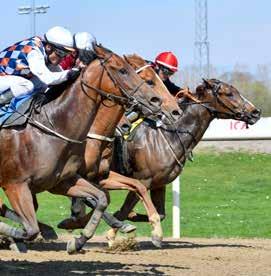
(37, 158)
(99, 142)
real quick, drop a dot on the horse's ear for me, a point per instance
(99, 51)
(126, 58)
(207, 84)
(201, 89)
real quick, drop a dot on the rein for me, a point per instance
(175, 130)
(171, 149)
(49, 130)
(214, 112)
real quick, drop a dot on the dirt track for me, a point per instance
(178, 257)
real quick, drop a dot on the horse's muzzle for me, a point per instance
(252, 117)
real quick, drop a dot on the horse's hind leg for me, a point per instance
(158, 199)
(46, 231)
(79, 187)
(8, 213)
(7, 230)
(116, 181)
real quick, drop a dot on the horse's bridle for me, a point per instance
(129, 101)
(214, 113)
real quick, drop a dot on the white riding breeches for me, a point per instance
(18, 85)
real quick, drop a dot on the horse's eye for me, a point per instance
(150, 82)
(230, 94)
(123, 71)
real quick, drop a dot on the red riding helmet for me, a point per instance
(167, 59)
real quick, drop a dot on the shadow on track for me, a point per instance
(25, 268)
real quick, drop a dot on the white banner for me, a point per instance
(236, 130)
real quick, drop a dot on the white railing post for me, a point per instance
(176, 208)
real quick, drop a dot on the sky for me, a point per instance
(239, 31)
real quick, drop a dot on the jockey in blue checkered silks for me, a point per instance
(32, 65)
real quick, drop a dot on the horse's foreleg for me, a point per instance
(116, 181)
(158, 197)
(21, 200)
(79, 187)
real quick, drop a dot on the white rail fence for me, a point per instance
(221, 130)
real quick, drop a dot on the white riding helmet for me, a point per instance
(60, 37)
(84, 41)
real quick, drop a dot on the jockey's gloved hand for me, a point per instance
(73, 74)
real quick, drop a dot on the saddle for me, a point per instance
(20, 109)
(121, 159)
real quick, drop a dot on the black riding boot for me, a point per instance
(6, 97)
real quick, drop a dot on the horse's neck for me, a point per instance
(162, 147)
(191, 127)
(72, 113)
(195, 120)
(106, 120)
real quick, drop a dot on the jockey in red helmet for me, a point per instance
(166, 64)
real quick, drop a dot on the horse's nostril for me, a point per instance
(156, 101)
(256, 112)
(238, 115)
(175, 113)
(160, 116)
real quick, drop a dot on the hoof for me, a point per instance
(127, 228)
(76, 244)
(110, 243)
(47, 232)
(71, 246)
(157, 241)
(72, 223)
(18, 246)
(111, 236)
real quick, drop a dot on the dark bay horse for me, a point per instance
(34, 159)
(99, 142)
(157, 155)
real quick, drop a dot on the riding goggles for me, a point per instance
(61, 52)
(166, 71)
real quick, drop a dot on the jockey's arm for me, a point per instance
(38, 67)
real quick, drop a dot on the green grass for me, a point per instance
(224, 195)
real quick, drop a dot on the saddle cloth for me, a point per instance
(14, 114)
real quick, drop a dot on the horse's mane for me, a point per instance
(135, 59)
(184, 102)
